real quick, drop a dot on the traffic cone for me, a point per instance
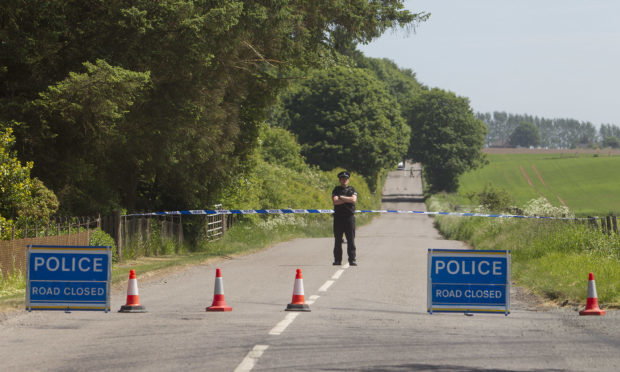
(592, 303)
(219, 304)
(133, 298)
(299, 301)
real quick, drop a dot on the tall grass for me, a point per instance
(12, 284)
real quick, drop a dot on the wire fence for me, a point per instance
(60, 231)
(132, 236)
(151, 235)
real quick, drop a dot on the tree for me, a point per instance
(554, 133)
(213, 69)
(345, 117)
(21, 197)
(613, 142)
(401, 83)
(279, 146)
(445, 137)
(525, 135)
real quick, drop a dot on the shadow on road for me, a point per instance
(402, 198)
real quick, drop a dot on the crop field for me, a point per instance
(587, 182)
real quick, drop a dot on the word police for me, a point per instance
(483, 267)
(83, 264)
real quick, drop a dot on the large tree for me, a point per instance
(346, 117)
(445, 137)
(196, 76)
(525, 135)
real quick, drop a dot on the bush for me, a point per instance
(100, 238)
(494, 199)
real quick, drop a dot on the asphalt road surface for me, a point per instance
(366, 318)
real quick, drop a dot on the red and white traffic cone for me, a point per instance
(219, 304)
(133, 297)
(592, 302)
(299, 301)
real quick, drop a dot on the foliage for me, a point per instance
(14, 178)
(445, 137)
(402, 83)
(542, 207)
(494, 199)
(12, 284)
(554, 133)
(81, 120)
(20, 196)
(150, 105)
(525, 135)
(279, 146)
(99, 237)
(613, 142)
(345, 117)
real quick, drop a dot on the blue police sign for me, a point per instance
(468, 281)
(68, 277)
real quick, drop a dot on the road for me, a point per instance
(366, 318)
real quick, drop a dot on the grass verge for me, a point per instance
(550, 257)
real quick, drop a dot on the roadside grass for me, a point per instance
(550, 257)
(587, 183)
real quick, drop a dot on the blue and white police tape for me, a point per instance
(320, 211)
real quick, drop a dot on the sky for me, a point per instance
(545, 58)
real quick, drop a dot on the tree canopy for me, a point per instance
(554, 133)
(346, 117)
(445, 137)
(157, 104)
(525, 135)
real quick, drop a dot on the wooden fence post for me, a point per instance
(592, 222)
(180, 230)
(614, 224)
(119, 237)
(148, 236)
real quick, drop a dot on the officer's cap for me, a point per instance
(344, 174)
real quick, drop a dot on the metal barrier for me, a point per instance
(216, 225)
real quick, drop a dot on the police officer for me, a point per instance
(344, 198)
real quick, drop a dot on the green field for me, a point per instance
(587, 184)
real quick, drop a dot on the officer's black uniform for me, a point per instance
(344, 222)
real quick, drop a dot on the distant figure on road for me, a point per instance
(344, 198)
(411, 172)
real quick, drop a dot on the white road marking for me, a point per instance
(280, 327)
(312, 299)
(250, 360)
(254, 355)
(325, 286)
(337, 274)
